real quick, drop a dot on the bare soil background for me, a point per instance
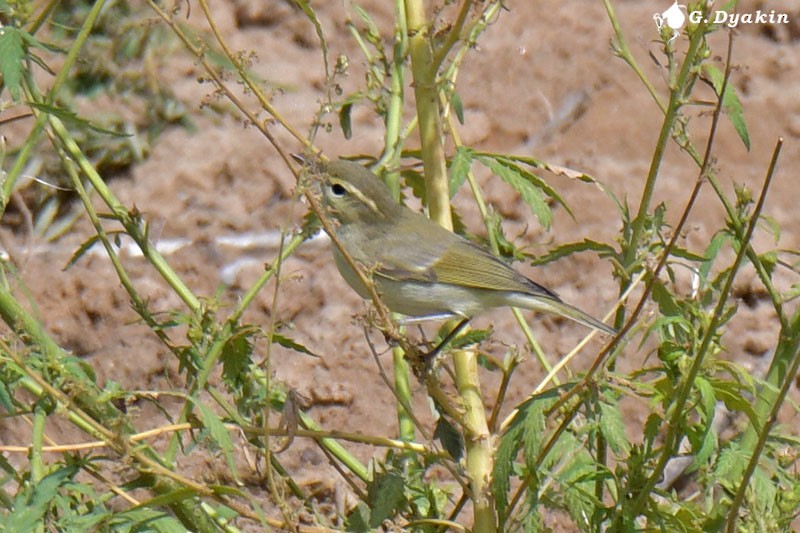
(539, 61)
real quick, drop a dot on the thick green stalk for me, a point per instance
(477, 441)
(426, 95)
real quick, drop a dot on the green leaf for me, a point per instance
(12, 54)
(5, 400)
(473, 336)
(33, 502)
(387, 497)
(568, 249)
(219, 435)
(450, 438)
(345, 120)
(504, 465)
(536, 180)
(730, 465)
(531, 194)
(69, 117)
(555, 169)
(613, 428)
(458, 107)
(236, 356)
(711, 252)
(358, 520)
(731, 105)
(534, 433)
(665, 300)
(373, 34)
(286, 342)
(459, 168)
(87, 244)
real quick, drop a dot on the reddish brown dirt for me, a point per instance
(224, 179)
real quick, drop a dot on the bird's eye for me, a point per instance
(338, 189)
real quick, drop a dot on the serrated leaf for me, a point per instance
(286, 342)
(555, 169)
(531, 195)
(459, 168)
(665, 300)
(220, 436)
(613, 428)
(70, 117)
(504, 465)
(731, 105)
(387, 497)
(730, 466)
(568, 249)
(533, 433)
(12, 54)
(536, 180)
(235, 357)
(473, 336)
(32, 503)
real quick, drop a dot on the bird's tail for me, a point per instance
(557, 307)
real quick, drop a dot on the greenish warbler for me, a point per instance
(419, 268)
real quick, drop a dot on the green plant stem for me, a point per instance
(779, 378)
(334, 447)
(477, 441)
(37, 441)
(453, 35)
(426, 95)
(393, 138)
(27, 149)
(94, 415)
(673, 434)
(131, 226)
(676, 101)
(624, 52)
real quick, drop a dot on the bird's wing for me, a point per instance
(458, 262)
(465, 263)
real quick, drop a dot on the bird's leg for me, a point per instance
(430, 356)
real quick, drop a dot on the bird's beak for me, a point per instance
(312, 162)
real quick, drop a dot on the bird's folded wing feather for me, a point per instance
(461, 263)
